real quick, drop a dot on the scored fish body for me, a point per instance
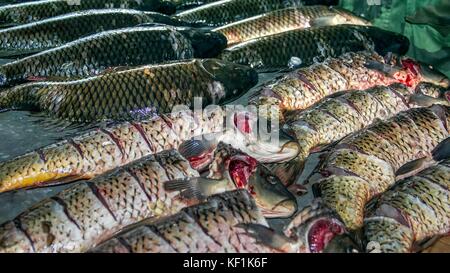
(134, 93)
(87, 213)
(313, 45)
(56, 31)
(227, 11)
(27, 12)
(414, 209)
(286, 19)
(208, 227)
(97, 53)
(101, 150)
(364, 164)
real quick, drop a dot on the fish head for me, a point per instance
(235, 79)
(206, 43)
(317, 229)
(347, 17)
(387, 41)
(271, 196)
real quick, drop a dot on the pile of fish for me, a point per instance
(150, 173)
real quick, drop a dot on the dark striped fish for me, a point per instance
(303, 47)
(228, 11)
(125, 47)
(134, 93)
(287, 19)
(32, 11)
(56, 31)
(411, 211)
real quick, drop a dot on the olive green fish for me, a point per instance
(32, 11)
(364, 164)
(56, 31)
(303, 47)
(90, 212)
(124, 47)
(134, 93)
(287, 19)
(228, 11)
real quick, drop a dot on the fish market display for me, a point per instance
(228, 11)
(27, 12)
(365, 163)
(212, 226)
(56, 31)
(134, 93)
(125, 47)
(89, 212)
(287, 19)
(303, 47)
(414, 209)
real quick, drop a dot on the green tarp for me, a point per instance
(425, 22)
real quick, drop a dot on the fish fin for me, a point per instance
(414, 167)
(198, 152)
(323, 21)
(423, 100)
(50, 78)
(382, 67)
(442, 150)
(114, 69)
(188, 188)
(269, 237)
(287, 172)
(153, 24)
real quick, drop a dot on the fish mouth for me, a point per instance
(321, 232)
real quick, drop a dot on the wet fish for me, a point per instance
(212, 226)
(227, 11)
(411, 211)
(56, 31)
(125, 47)
(232, 169)
(364, 164)
(313, 45)
(27, 12)
(89, 212)
(98, 151)
(186, 4)
(287, 19)
(134, 93)
(304, 87)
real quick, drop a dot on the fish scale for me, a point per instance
(37, 10)
(94, 153)
(386, 146)
(87, 56)
(207, 227)
(423, 200)
(90, 212)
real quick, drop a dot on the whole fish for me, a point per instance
(334, 118)
(124, 47)
(287, 19)
(27, 12)
(212, 226)
(413, 210)
(87, 213)
(303, 47)
(56, 31)
(232, 169)
(227, 11)
(364, 164)
(134, 93)
(304, 87)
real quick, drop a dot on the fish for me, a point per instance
(212, 226)
(232, 169)
(187, 4)
(282, 20)
(334, 118)
(224, 12)
(134, 93)
(313, 45)
(303, 87)
(87, 155)
(56, 31)
(412, 210)
(27, 12)
(363, 165)
(97, 53)
(90, 212)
